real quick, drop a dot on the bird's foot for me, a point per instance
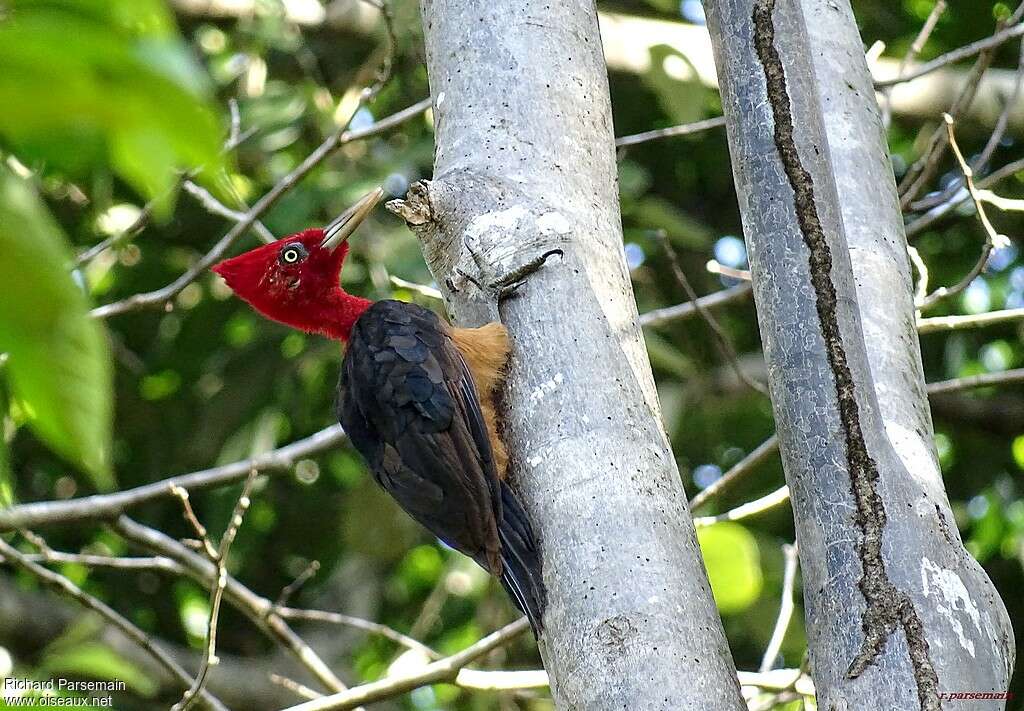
(506, 285)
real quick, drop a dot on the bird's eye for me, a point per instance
(292, 254)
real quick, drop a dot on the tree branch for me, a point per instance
(685, 129)
(258, 609)
(443, 670)
(108, 506)
(219, 558)
(751, 508)
(935, 324)
(786, 606)
(680, 312)
(64, 586)
(956, 55)
(160, 297)
(725, 346)
(737, 472)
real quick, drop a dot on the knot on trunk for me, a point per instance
(416, 209)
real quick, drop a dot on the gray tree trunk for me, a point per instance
(898, 613)
(525, 162)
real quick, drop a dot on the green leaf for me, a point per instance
(733, 564)
(1018, 451)
(87, 82)
(94, 660)
(683, 99)
(6, 481)
(59, 365)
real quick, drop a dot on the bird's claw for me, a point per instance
(505, 286)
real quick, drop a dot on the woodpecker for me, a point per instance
(416, 396)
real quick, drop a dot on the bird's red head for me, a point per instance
(295, 279)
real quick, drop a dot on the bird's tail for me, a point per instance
(522, 575)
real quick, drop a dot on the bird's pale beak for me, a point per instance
(342, 227)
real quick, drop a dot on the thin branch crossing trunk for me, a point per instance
(898, 613)
(525, 163)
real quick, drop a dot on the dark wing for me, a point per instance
(409, 405)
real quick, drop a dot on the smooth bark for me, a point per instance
(525, 163)
(898, 613)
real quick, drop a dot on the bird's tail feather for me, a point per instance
(522, 575)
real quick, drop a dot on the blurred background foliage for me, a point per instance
(106, 102)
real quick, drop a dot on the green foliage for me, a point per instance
(93, 660)
(733, 564)
(59, 365)
(88, 83)
(106, 101)
(675, 81)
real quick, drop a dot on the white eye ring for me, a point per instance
(293, 254)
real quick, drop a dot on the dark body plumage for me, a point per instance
(408, 402)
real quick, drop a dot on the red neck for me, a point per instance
(339, 313)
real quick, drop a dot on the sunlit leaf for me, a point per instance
(88, 82)
(733, 565)
(1018, 451)
(59, 365)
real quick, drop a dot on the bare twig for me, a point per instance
(956, 55)
(770, 445)
(161, 297)
(133, 229)
(159, 563)
(786, 606)
(737, 472)
(168, 565)
(996, 239)
(108, 506)
(294, 586)
(1001, 203)
(921, 289)
(337, 618)
(751, 508)
(953, 323)
(685, 129)
(68, 588)
(680, 312)
(384, 71)
(915, 49)
(215, 206)
(443, 670)
(928, 219)
(721, 337)
(258, 609)
(295, 687)
(715, 267)
(993, 240)
(778, 680)
(478, 680)
(193, 521)
(922, 171)
(1006, 377)
(219, 558)
(412, 286)
(981, 161)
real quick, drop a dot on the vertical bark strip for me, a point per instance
(524, 163)
(831, 282)
(887, 606)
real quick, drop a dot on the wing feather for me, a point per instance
(410, 407)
